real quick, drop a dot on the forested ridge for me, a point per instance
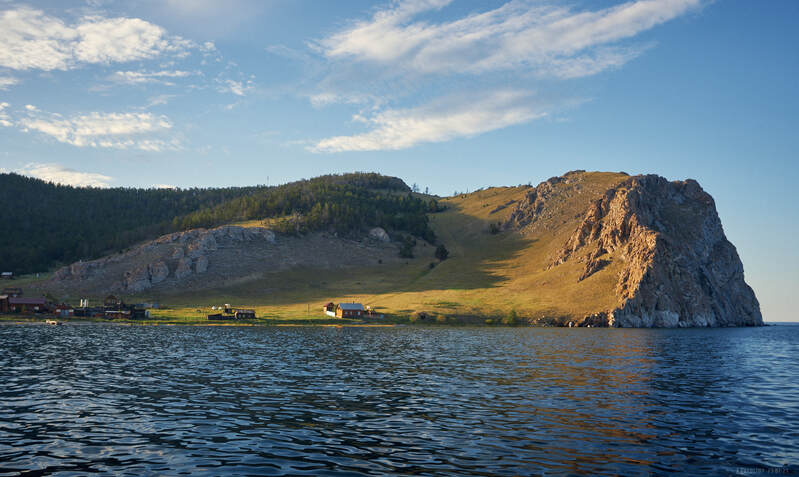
(45, 224)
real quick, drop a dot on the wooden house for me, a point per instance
(112, 301)
(3, 303)
(220, 317)
(12, 292)
(349, 310)
(63, 310)
(27, 305)
(245, 314)
(7, 275)
(117, 314)
(329, 309)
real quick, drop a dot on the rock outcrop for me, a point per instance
(379, 234)
(204, 259)
(174, 257)
(677, 267)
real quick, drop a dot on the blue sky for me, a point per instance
(449, 94)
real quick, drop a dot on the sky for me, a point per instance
(452, 95)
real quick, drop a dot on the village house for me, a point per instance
(64, 311)
(12, 292)
(329, 309)
(117, 314)
(27, 305)
(221, 317)
(7, 275)
(3, 303)
(349, 310)
(245, 314)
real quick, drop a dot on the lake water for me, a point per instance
(76, 399)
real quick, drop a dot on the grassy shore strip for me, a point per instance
(260, 322)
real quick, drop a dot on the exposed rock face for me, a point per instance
(379, 234)
(534, 206)
(678, 268)
(158, 272)
(202, 259)
(174, 257)
(201, 265)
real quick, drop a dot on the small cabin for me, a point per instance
(7, 275)
(112, 301)
(117, 314)
(3, 303)
(219, 317)
(245, 314)
(329, 309)
(349, 310)
(27, 305)
(63, 311)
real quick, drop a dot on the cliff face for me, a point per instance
(678, 269)
(210, 258)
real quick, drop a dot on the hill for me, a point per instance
(587, 248)
(50, 225)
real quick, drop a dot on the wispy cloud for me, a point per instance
(159, 100)
(62, 175)
(140, 131)
(442, 121)
(324, 99)
(32, 39)
(142, 77)
(487, 61)
(7, 81)
(521, 34)
(239, 88)
(5, 119)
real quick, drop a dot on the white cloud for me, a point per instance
(31, 39)
(159, 100)
(141, 77)
(5, 120)
(443, 121)
(324, 99)
(525, 35)
(6, 81)
(63, 175)
(239, 88)
(104, 130)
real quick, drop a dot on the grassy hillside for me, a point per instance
(486, 276)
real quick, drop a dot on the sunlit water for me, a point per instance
(76, 399)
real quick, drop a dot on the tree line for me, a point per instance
(46, 225)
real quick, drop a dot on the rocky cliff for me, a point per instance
(677, 268)
(205, 259)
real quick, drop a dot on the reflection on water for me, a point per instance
(144, 400)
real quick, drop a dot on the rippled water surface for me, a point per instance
(216, 400)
